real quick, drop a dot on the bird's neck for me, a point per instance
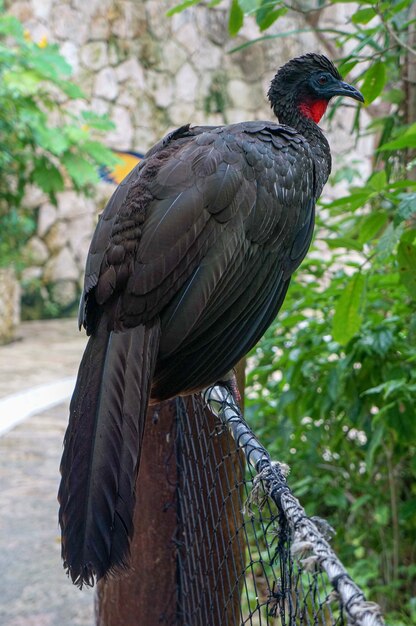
(303, 117)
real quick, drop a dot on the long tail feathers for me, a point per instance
(102, 450)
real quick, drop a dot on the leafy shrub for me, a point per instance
(332, 385)
(41, 142)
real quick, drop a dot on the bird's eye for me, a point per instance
(322, 80)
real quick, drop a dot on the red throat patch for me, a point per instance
(314, 109)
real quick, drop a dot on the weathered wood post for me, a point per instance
(152, 591)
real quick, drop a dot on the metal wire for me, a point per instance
(247, 554)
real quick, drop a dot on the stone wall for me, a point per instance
(150, 73)
(9, 304)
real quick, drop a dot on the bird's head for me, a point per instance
(305, 86)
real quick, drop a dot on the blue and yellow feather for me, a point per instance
(127, 160)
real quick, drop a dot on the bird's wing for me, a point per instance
(204, 216)
(236, 290)
(123, 200)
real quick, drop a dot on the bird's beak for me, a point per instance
(345, 89)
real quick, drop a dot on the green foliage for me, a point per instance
(332, 385)
(40, 142)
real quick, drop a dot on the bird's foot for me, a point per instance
(230, 382)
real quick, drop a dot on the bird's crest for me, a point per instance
(310, 62)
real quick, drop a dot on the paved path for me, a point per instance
(44, 351)
(34, 588)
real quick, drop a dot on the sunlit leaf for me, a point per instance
(406, 140)
(348, 316)
(374, 80)
(343, 242)
(407, 206)
(371, 225)
(265, 17)
(389, 240)
(81, 171)
(182, 6)
(47, 177)
(100, 122)
(100, 153)
(236, 18)
(346, 66)
(363, 16)
(52, 139)
(378, 181)
(406, 256)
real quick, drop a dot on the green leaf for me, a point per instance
(22, 81)
(71, 90)
(363, 16)
(374, 81)
(81, 171)
(371, 225)
(389, 240)
(236, 18)
(352, 202)
(10, 25)
(49, 62)
(51, 139)
(47, 177)
(346, 66)
(407, 206)
(181, 7)
(387, 388)
(343, 242)
(100, 122)
(266, 17)
(347, 318)
(100, 153)
(378, 181)
(406, 140)
(406, 256)
(76, 135)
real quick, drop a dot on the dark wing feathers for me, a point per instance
(206, 361)
(213, 207)
(101, 449)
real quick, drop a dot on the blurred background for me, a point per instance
(86, 89)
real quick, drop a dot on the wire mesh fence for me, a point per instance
(246, 552)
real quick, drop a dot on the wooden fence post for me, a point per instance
(148, 594)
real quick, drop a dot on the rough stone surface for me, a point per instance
(61, 267)
(64, 293)
(130, 22)
(150, 74)
(186, 83)
(47, 217)
(71, 53)
(56, 237)
(67, 25)
(94, 55)
(243, 96)
(100, 29)
(173, 57)
(121, 137)
(36, 251)
(42, 8)
(164, 94)
(71, 204)
(9, 304)
(106, 85)
(132, 72)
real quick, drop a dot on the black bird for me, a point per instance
(189, 264)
